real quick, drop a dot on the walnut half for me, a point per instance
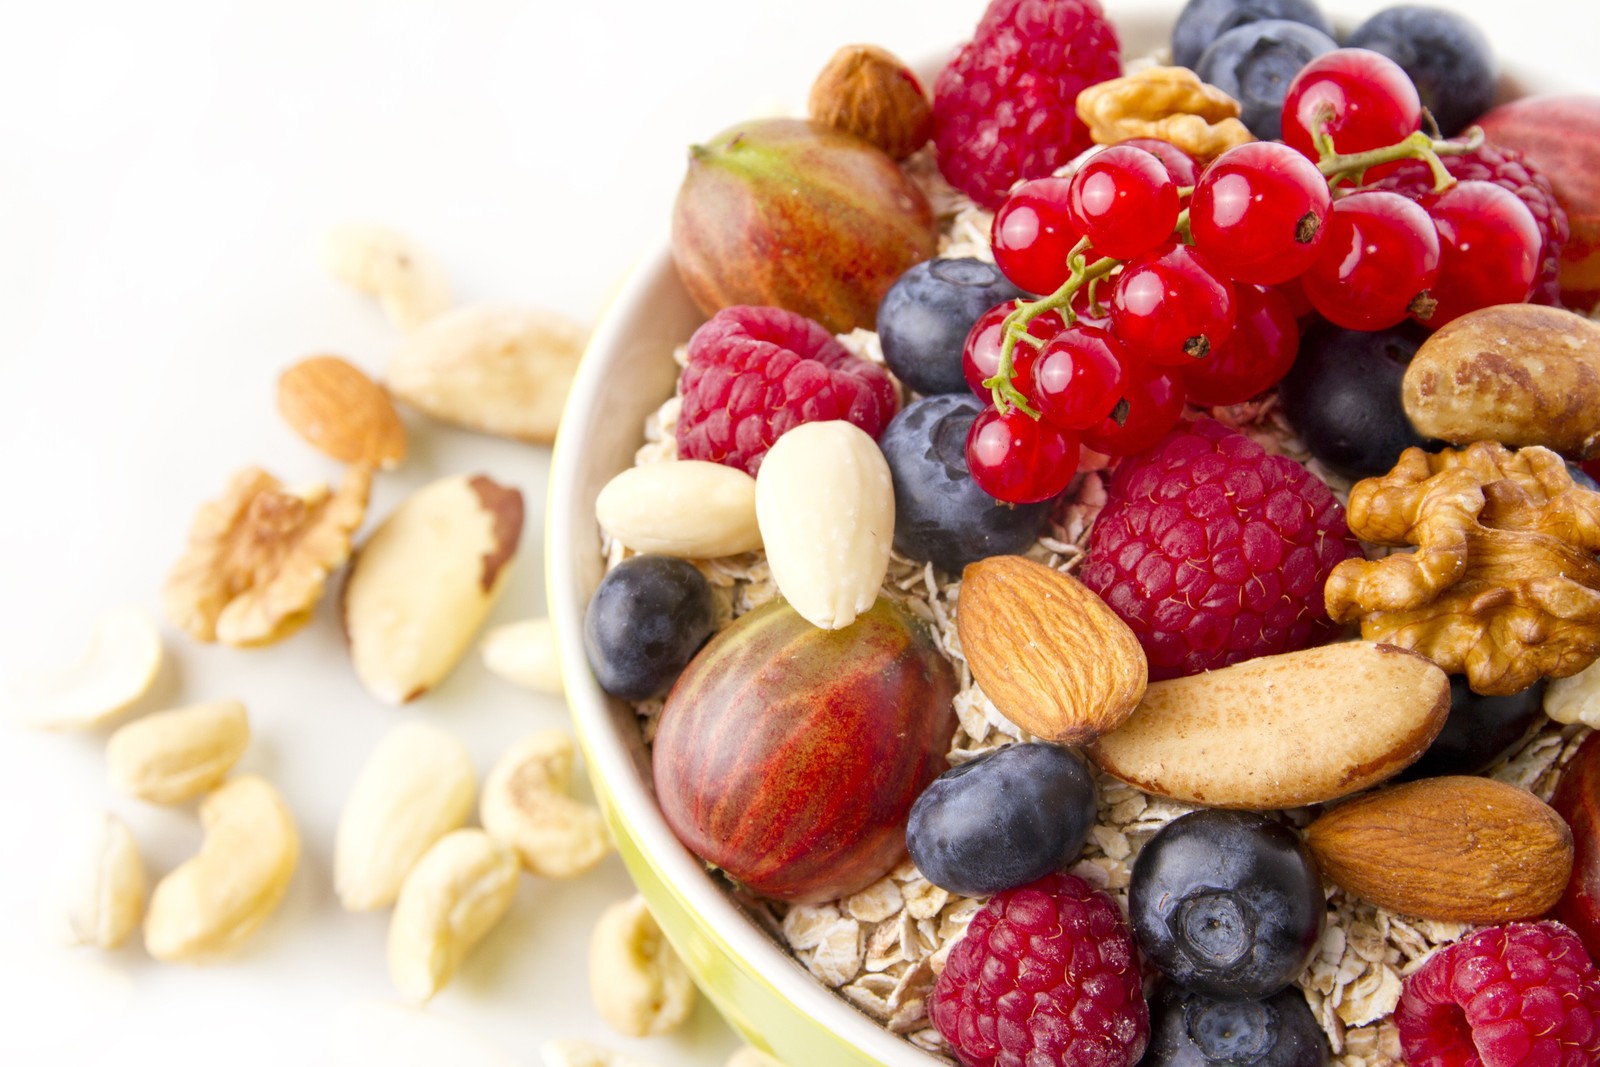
(1168, 103)
(259, 558)
(1503, 585)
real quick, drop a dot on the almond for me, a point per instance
(869, 92)
(1048, 652)
(1456, 849)
(342, 413)
(1281, 731)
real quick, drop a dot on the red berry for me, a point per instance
(1362, 99)
(1256, 355)
(1046, 973)
(1004, 107)
(1258, 212)
(1180, 164)
(1018, 459)
(1077, 378)
(1033, 235)
(754, 373)
(1379, 260)
(1170, 306)
(1489, 247)
(1124, 201)
(1155, 397)
(980, 356)
(1214, 552)
(1518, 995)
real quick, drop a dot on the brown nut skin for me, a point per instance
(1520, 374)
(1458, 849)
(869, 92)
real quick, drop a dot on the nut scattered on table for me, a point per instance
(526, 804)
(1083, 670)
(408, 282)
(1575, 699)
(1168, 103)
(825, 506)
(114, 672)
(1503, 585)
(338, 410)
(173, 756)
(103, 881)
(637, 982)
(259, 558)
(688, 508)
(217, 900)
(870, 92)
(415, 787)
(525, 653)
(455, 895)
(496, 368)
(422, 584)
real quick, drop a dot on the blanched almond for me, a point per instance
(686, 508)
(102, 882)
(174, 756)
(825, 506)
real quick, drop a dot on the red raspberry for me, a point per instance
(1004, 109)
(1046, 973)
(1510, 169)
(1519, 995)
(756, 373)
(1215, 552)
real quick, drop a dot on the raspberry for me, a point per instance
(1509, 169)
(755, 373)
(1215, 552)
(1003, 109)
(1046, 973)
(1519, 995)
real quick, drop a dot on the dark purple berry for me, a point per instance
(924, 319)
(1479, 730)
(1189, 1030)
(647, 619)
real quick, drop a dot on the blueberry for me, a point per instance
(1343, 397)
(1255, 63)
(940, 514)
(925, 316)
(1002, 819)
(1203, 21)
(1189, 1030)
(1227, 903)
(647, 619)
(1445, 53)
(1479, 730)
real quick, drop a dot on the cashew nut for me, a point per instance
(525, 653)
(103, 882)
(526, 805)
(638, 983)
(217, 900)
(407, 281)
(455, 895)
(174, 756)
(118, 668)
(417, 786)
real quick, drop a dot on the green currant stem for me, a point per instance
(1337, 168)
(1004, 391)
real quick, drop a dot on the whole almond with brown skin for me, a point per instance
(342, 413)
(1048, 652)
(869, 92)
(1458, 849)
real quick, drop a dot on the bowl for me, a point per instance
(762, 991)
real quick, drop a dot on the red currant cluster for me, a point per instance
(1207, 269)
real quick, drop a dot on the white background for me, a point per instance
(166, 171)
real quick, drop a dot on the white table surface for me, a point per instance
(166, 171)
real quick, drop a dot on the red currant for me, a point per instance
(1489, 248)
(1124, 201)
(1170, 306)
(1154, 398)
(1033, 235)
(1256, 355)
(1379, 260)
(1258, 212)
(1180, 164)
(1076, 378)
(1363, 100)
(1019, 459)
(980, 356)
